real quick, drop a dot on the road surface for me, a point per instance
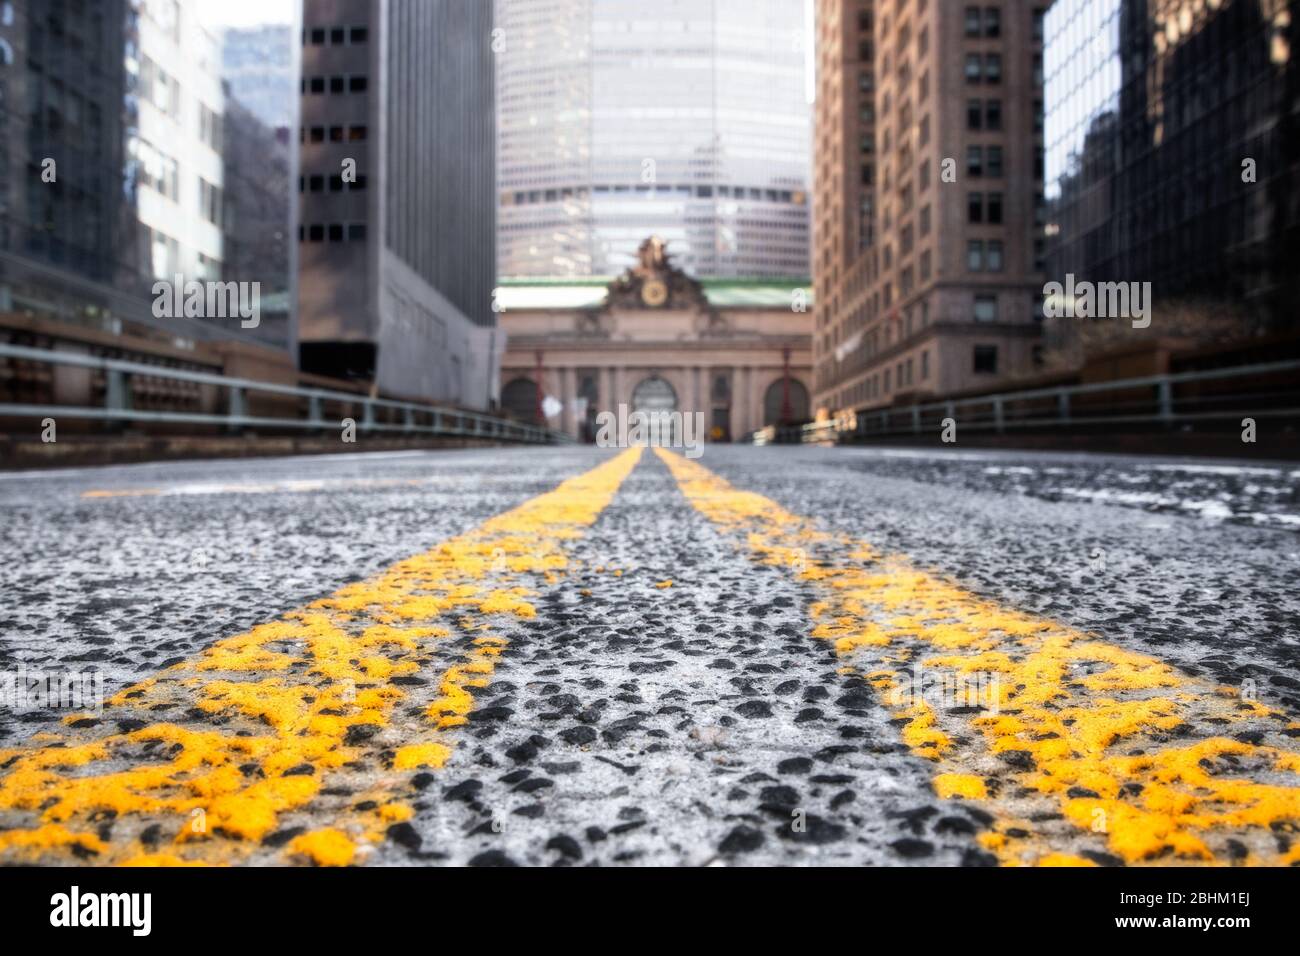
(582, 656)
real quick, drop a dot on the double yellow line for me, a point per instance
(1082, 750)
(214, 754)
(1079, 750)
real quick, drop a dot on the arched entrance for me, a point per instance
(519, 399)
(786, 402)
(654, 394)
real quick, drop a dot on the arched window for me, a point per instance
(654, 394)
(519, 399)
(786, 402)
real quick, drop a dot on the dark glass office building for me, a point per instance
(66, 229)
(1172, 149)
(397, 243)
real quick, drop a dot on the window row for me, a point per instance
(333, 232)
(984, 161)
(316, 183)
(983, 23)
(984, 67)
(984, 255)
(336, 84)
(336, 134)
(984, 114)
(337, 36)
(984, 207)
(521, 197)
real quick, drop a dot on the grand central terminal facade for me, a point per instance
(656, 340)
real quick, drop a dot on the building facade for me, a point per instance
(112, 174)
(1173, 151)
(397, 232)
(683, 118)
(66, 229)
(174, 145)
(656, 339)
(928, 236)
(260, 70)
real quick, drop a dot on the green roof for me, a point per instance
(588, 292)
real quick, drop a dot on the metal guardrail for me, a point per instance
(442, 421)
(1069, 405)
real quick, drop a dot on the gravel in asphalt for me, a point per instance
(665, 701)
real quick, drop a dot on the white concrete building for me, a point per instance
(175, 69)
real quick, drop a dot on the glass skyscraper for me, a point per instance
(620, 119)
(1172, 144)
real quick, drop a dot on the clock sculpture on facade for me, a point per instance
(655, 283)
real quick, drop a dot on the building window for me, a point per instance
(993, 68)
(986, 308)
(316, 84)
(973, 67)
(993, 114)
(360, 35)
(357, 84)
(995, 161)
(974, 160)
(995, 208)
(338, 36)
(975, 207)
(925, 365)
(986, 359)
(318, 37)
(318, 134)
(975, 255)
(337, 84)
(356, 134)
(995, 255)
(316, 233)
(336, 134)
(974, 114)
(972, 21)
(210, 201)
(316, 183)
(210, 127)
(336, 232)
(992, 22)
(357, 231)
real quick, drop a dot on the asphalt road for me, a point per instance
(655, 667)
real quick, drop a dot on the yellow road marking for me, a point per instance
(1107, 748)
(219, 749)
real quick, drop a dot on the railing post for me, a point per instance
(368, 416)
(1063, 405)
(437, 422)
(916, 419)
(1165, 393)
(238, 406)
(997, 414)
(117, 396)
(408, 418)
(315, 412)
